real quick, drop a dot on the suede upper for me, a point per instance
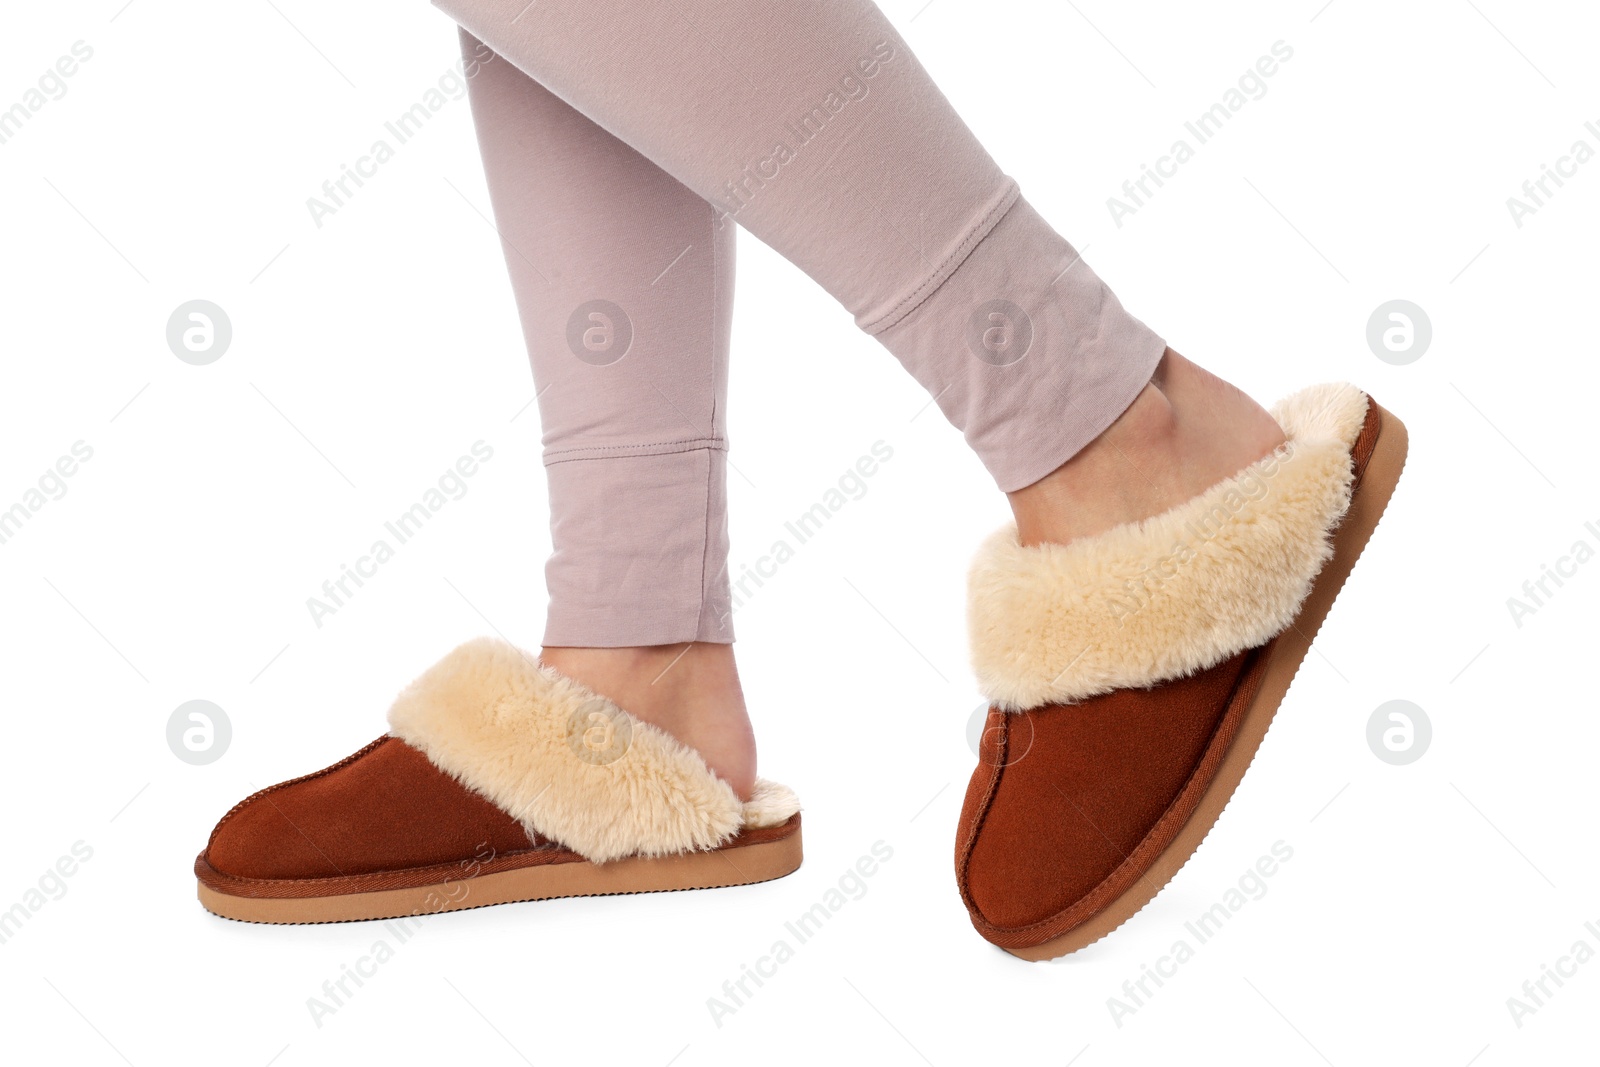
(492, 755)
(1093, 781)
(382, 809)
(382, 818)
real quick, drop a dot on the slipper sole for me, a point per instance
(541, 876)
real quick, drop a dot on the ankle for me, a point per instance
(689, 690)
(1105, 478)
(1184, 432)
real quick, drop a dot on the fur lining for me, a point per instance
(1173, 594)
(567, 763)
(769, 805)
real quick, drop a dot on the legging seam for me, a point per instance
(705, 535)
(656, 448)
(950, 264)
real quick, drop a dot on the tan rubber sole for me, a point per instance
(1285, 655)
(729, 866)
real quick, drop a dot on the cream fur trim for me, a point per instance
(569, 764)
(1173, 594)
(769, 805)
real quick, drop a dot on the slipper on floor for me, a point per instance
(1132, 675)
(500, 780)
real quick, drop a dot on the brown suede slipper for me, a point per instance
(500, 780)
(1132, 675)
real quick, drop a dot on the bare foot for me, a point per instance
(689, 690)
(1187, 431)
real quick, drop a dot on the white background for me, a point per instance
(369, 354)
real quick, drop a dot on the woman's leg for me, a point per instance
(624, 285)
(822, 134)
(816, 128)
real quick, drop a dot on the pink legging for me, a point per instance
(621, 142)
